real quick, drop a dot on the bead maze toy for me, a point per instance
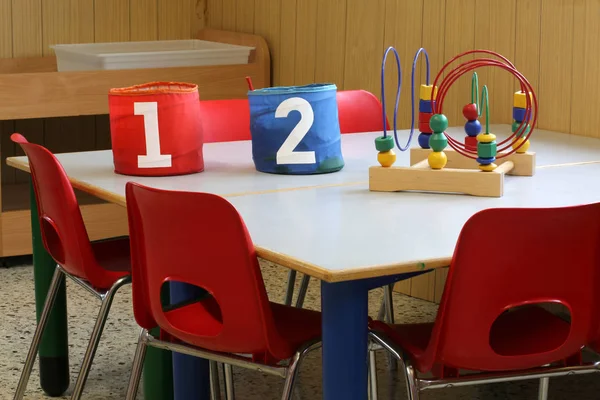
(472, 167)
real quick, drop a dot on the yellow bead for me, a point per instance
(437, 160)
(386, 158)
(488, 167)
(520, 101)
(425, 93)
(486, 137)
(522, 149)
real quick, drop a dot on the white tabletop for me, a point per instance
(340, 230)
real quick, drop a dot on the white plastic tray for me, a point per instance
(149, 54)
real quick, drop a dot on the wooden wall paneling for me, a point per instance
(423, 286)
(174, 21)
(267, 23)
(143, 20)
(440, 282)
(331, 42)
(433, 36)
(7, 148)
(214, 14)
(306, 41)
(244, 16)
(460, 37)
(229, 15)
(111, 21)
(287, 53)
(585, 118)
(406, 38)
(198, 17)
(364, 44)
(499, 37)
(556, 58)
(27, 42)
(527, 40)
(403, 287)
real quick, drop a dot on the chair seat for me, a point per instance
(521, 331)
(113, 256)
(296, 325)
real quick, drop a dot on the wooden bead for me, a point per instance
(485, 160)
(471, 142)
(522, 149)
(486, 137)
(486, 150)
(386, 158)
(524, 130)
(470, 112)
(425, 93)
(437, 160)
(487, 167)
(424, 140)
(438, 141)
(519, 114)
(520, 101)
(425, 117)
(473, 128)
(438, 123)
(384, 143)
(426, 106)
(424, 127)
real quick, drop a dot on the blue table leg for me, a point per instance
(190, 374)
(345, 332)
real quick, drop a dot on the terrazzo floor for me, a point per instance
(110, 371)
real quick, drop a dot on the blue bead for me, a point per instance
(425, 106)
(473, 128)
(486, 161)
(424, 140)
(519, 114)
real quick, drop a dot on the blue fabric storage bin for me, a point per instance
(295, 129)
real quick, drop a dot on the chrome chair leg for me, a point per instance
(294, 367)
(302, 291)
(543, 390)
(289, 292)
(90, 352)
(137, 366)
(229, 386)
(411, 381)
(372, 375)
(57, 279)
(215, 386)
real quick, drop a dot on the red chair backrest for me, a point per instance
(198, 239)
(63, 231)
(225, 120)
(359, 111)
(507, 258)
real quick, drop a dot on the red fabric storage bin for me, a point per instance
(156, 129)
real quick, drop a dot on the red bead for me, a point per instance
(470, 112)
(424, 127)
(425, 117)
(471, 142)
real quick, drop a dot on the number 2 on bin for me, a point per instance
(286, 153)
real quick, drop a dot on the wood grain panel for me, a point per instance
(287, 53)
(229, 15)
(306, 41)
(585, 118)
(423, 286)
(6, 45)
(174, 20)
(527, 40)
(214, 13)
(433, 37)
(143, 20)
(65, 22)
(557, 66)
(244, 16)
(440, 282)
(267, 23)
(198, 16)
(7, 148)
(111, 21)
(331, 42)
(364, 44)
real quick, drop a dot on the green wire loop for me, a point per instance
(484, 99)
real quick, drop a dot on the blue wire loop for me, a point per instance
(414, 67)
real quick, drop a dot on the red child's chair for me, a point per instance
(200, 239)
(100, 267)
(489, 320)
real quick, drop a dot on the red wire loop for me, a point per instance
(467, 66)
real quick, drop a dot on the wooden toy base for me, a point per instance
(461, 175)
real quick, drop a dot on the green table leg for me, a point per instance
(54, 349)
(158, 366)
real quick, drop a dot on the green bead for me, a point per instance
(525, 131)
(384, 143)
(486, 150)
(438, 142)
(438, 123)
